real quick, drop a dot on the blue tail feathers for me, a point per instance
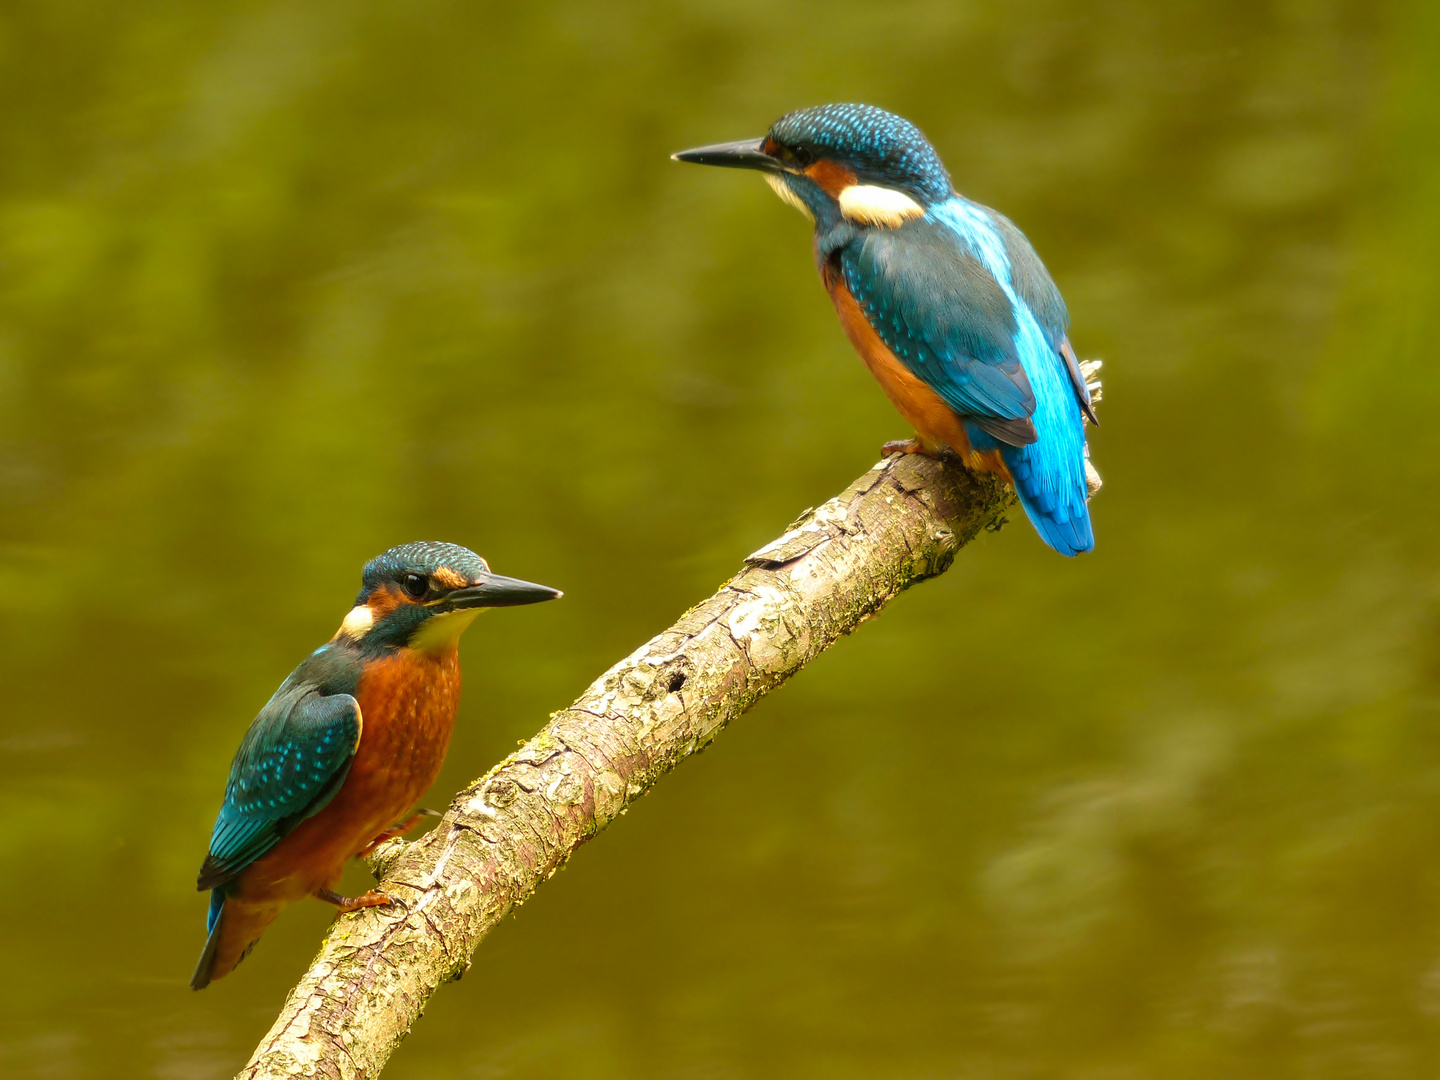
(1049, 477)
(201, 978)
(217, 905)
(1053, 500)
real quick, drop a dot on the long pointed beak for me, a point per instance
(745, 154)
(500, 591)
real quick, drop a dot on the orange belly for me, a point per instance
(407, 708)
(934, 421)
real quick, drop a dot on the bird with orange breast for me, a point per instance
(336, 760)
(944, 299)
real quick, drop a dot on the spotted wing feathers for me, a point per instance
(947, 319)
(293, 759)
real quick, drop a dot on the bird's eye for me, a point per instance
(801, 156)
(416, 585)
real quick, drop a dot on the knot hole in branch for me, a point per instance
(672, 677)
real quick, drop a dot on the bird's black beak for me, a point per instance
(500, 591)
(745, 154)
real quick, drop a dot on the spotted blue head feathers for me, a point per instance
(421, 557)
(877, 146)
(409, 592)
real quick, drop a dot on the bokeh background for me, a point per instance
(282, 285)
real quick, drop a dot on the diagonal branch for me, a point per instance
(835, 567)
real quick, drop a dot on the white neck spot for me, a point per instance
(871, 204)
(358, 622)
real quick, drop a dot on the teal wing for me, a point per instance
(293, 759)
(947, 319)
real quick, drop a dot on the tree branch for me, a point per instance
(900, 523)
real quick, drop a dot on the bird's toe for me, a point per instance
(904, 446)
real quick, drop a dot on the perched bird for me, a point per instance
(944, 299)
(347, 744)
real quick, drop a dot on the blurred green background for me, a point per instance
(282, 285)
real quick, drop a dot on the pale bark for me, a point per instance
(835, 567)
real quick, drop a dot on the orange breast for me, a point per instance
(412, 698)
(935, 422)
(407, 705)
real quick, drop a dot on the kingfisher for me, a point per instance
(336, 759)
(945, 300)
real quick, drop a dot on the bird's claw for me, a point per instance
(903, 446)
(347, 904)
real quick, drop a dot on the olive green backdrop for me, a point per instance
(282, 285)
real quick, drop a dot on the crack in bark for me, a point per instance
(518, 824)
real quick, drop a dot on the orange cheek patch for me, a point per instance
(449, 579)
(832, 178)
(383, 601)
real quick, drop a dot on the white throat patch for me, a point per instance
(871, 204)
(783, 190)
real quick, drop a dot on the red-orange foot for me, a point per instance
(906, 446)
(399, 830)
(347, 904)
